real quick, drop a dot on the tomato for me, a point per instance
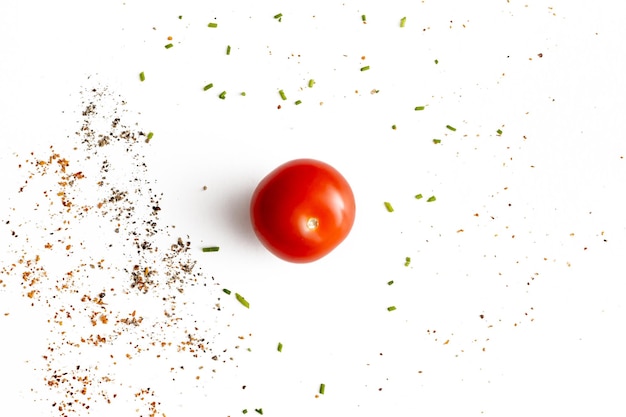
(302, 210)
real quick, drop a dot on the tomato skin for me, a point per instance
(302, 210)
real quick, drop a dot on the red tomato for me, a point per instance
(302, 210)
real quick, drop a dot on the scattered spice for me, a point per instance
(242, 300)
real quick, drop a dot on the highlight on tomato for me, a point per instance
(302, 210)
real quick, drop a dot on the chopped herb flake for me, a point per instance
(431, 199)
(222, 95)
(436, 61)
(282, 94)
(242, 300)
(259, 410)
(419, 196)
(419, 108)
(388, 207)
(168, 46)
(499, 132)
(211, 249)
(226, 290)
(228, 50)
(436, 141)
(391, 308)
(407, 261)
(142, 76)
(322, 388)
(451, 128)
(298, 102)
(394, 127)
(278, 16)
(363, 18)
(208, 86)
(243, 93)
(212, 25)
(311, 82)
(244, 411)
(280, 347)
(365, 68)
(390, 282)
(402, 22)
(180, 17)
(149, 137)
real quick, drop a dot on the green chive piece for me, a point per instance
(249, 350)
(365, 68)
(278, 16)
(388, 207)
(391, 308)
(407, 261)
(228, 50)
(311, 82)
(499, 132)
(180, 17)
(259, 410)
(211, 249)
(390, 282)
(244, 411)
(419, 196)
(242, 300)
(280, 347)
(169, 45)
(243, 93)
(226, 290)
(298, 102)
(212, 25)
(142, 76)
(322, 388)
(431, 199)
(436, 141)
(208, 86)
(222, 95)
(282, 94)
(436, 61)
(149, 137)
(451, 128)
(419, 108)
(394, 127)
(402, 22)
(363, 18)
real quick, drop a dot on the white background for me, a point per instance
(541, 206)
